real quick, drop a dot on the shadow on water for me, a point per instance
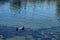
(9, 32)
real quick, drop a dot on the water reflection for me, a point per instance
(3, 2)
(30, 13)
(58, 10)
(15, 6)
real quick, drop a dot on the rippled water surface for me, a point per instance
(32, 14)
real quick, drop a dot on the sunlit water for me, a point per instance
(30, 14)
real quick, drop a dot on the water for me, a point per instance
(32, 14)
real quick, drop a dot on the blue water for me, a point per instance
(33, 15)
